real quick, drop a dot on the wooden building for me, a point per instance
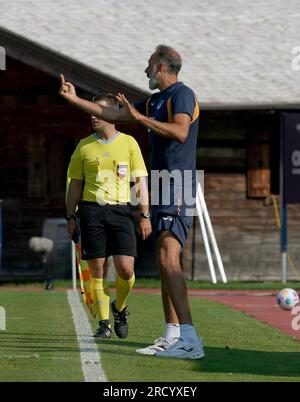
(39, 132)
(238, 145)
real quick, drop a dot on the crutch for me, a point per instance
(206, 243)
(202, 208)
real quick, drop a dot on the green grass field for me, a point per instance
(40, 343)
(155, 283)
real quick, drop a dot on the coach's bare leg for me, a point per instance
(174, 288)
(169, 310)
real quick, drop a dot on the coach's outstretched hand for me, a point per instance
(67, 90)
(130, 108)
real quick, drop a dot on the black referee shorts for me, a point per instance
(106, 230)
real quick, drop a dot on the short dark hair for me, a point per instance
(105, 96)
(172, 58)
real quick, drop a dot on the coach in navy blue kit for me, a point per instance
(171, 117)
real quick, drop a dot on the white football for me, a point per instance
(287, 298)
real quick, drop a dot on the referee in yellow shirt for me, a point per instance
(100, 171)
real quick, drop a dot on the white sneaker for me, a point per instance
(183, 350)
(160, 345)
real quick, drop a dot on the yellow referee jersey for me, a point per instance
(107, 167)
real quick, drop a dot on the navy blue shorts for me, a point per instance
(178, 225)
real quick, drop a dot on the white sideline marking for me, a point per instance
(89, 353)
(36, 355)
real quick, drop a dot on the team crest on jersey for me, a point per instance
(105, 155)
(122, 170)
(160, 104)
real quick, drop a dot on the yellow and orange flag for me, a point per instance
(85, 281)
(84, 271)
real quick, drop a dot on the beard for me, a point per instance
(152, 83)
(153, 80)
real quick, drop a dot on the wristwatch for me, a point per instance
(145, 215)
(72, 216)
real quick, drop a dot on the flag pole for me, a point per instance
(74, 285)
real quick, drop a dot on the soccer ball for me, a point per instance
(287, 298)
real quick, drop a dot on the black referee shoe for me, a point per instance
(104, 331)
(120, 317)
